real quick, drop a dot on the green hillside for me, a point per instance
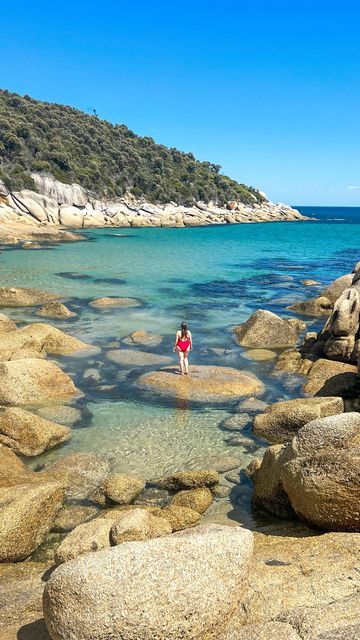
(106, 159)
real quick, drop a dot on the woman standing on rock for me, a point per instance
(182, 345)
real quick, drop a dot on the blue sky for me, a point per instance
(269, 90)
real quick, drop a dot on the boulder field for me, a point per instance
(206, 384)
(57, 205)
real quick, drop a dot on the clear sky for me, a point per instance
(269, 89)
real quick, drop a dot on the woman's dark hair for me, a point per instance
(184, 330)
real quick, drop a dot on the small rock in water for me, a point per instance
(239, 441)
(180, 517)
(70, 516)
(153, 497)
(62, 414)
(309, 283)
(233, 477)
(143, 338)
(251, 404)
(137, 358)
(236, 422)
(198, 499)
(188, 480)
(122, 488)
(105, 303)
(55, 310)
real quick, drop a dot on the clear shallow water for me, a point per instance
(213, 277)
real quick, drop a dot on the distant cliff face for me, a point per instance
(104, 159)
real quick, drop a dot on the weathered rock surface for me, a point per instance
(139, 524)
(70, 516)
(267, 631)
(129, 357)
(20, 297)
(122, 488)
(310, 582)
(33, 382)
(282, 420)
(266, 329)
(334, 290)
(27, 511)
(197, 499)
(42, 337)
(321, 472)
(6, 324)
(330, 378)
(160, 586)
(85, 538)
(180, 517)
(28, 433)
(61, 413)
(320, 306)
(188, 480)
(55, 310)
(268, 487)
(203, 384)
(83, 473)
(237, 422)
(293, 362)
(114, 302)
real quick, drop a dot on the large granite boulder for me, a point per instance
(268, 487)
(178, 586)
(334, 290)
(203, 384)
(27, 511)
(33, 382)
(303, 580)
(321, 472)
(20, 297)
(266, 329)
(330, 378)
(42, 337)
(282, 420)
(71, 216)
(339, 337)
(28, 433)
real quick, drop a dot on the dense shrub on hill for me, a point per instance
(106, 159)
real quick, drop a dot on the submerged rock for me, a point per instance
(162, 587)
(320, 306)
(137, 358)
(55, 310)
(237, 422)
(70, 516)
(203, 384)
(33, 382)
(188, 480)
(320, 472)
(83, 473)
(62, 414)
(29, 434)
(143, 339)
(20, 297)
(282, 420)
(115, 302)
(266, 330)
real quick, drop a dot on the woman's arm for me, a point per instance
(176, 339)
(190, 338)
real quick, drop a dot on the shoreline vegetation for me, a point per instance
(88, 534)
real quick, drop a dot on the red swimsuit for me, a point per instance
(183, 345)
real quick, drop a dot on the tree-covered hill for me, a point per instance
(108, 160)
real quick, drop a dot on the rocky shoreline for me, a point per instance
(90, 535)
(42, 216)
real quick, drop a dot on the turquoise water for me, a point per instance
(212, 277)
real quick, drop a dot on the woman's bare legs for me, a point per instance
(186, 362)
(181, 360)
